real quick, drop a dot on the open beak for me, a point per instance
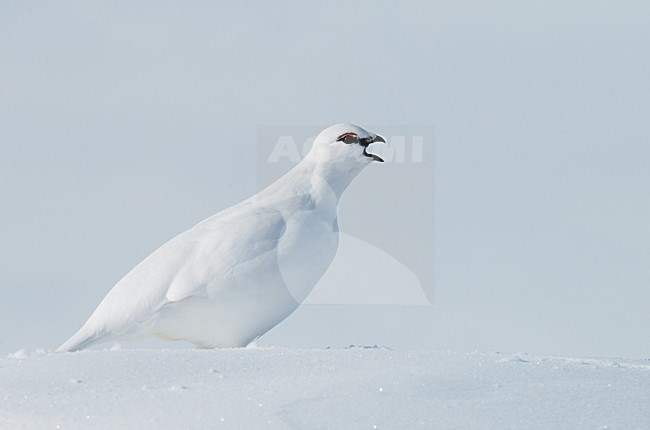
(366, 142)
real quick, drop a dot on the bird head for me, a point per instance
(346, 143)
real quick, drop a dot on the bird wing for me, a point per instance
(191, 264)
(224, 247)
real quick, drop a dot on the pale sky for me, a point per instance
(526, 220)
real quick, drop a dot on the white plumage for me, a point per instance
(235, 275)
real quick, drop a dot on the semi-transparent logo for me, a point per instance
(386, 248)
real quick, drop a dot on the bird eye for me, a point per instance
(348, 138)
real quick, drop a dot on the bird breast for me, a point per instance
(305, 251)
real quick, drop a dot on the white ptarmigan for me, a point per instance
(234, 276)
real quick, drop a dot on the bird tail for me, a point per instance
(80, 340)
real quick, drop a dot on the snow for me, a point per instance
(356, 388)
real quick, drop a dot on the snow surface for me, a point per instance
(355, 388)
